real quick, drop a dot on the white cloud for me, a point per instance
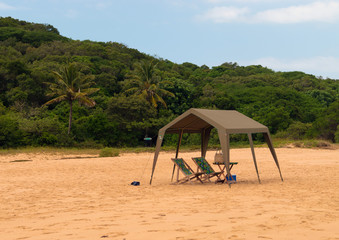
(324, 11)
(70, 13)
(317, 11)
(100, 5)
(4, 6)
(318, 66)
(225, 14)
(241, 1)
(216, 1)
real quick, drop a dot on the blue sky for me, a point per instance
(284, 35)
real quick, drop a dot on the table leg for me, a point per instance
(222, 170)
(230, 173)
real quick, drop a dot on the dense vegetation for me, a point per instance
(292, 104)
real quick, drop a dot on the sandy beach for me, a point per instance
(53, 196)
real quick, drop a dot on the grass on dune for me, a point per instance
(96, 152)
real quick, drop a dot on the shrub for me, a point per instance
(109, 152)
(297, 131)
(336, 135)
(10, 133)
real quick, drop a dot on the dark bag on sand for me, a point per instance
(135, 183)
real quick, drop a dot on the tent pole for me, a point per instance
(202, 140)
(177, 152)
(157, 150)
(173, 173)
(224, 139)
(270, 145)
(205, 136)
(253, 154)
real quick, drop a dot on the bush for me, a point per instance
(96, 128)
(296, 131)
(326, 125)
(41, 131)
(312, 144)
(336, 135)
(109, 152)
(10, 133)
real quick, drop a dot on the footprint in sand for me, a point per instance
(116, 234)
(263, 226)
(236, 237)
(317, 229)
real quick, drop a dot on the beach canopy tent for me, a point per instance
(227, 122)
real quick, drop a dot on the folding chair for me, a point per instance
(206, 169)
(186, 170)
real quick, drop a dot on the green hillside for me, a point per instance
(292, 104)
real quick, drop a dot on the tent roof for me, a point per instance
(194, 120)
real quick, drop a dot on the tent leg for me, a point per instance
(205, 136)
(253, 154)
(156, 154)
(270, 145)
(224, 139)
(173, 172)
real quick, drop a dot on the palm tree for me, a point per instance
(148, 84)
(70, 86)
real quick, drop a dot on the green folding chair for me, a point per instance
(205, 168)
(186, 170)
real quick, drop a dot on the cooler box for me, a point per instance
(234, 178)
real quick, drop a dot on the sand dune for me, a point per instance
(57, 197)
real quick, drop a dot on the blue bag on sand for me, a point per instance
(135, 183)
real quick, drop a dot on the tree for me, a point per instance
(70, 86)
(326, 126)
(148, 84)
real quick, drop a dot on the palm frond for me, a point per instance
(153, 87)
(69, 83)
(166, 93)
(56, 100)
(86, 101)
(90, 91)
(160, 99)
(148, 83)
(132, 90)
(144, 94)
(154, 101)
(60, 80)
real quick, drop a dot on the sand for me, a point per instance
(64, 197)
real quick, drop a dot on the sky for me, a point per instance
(283, 35)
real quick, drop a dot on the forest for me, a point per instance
(55, 91)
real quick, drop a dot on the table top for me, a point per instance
(219, 163)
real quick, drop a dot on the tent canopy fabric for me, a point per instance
(194, 120)
(225, 121)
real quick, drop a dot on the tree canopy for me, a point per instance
(291, 104)
(71, 86)
(147, 84)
